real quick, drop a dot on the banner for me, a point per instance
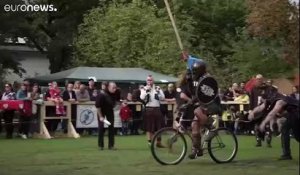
(86, 116)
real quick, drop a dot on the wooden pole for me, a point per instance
(174, 25)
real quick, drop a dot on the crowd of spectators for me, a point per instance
(130, 114)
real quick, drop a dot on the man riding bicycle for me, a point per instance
(195, 72)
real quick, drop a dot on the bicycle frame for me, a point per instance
(204, 133)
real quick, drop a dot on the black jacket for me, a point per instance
(66, 95)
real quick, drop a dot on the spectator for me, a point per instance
(28, 85)
(35, 95)
(105, 103)
(256, 98)
(235, 90)
(24, 120)
(50, 111)
(170, 96)
(136, 111)
(242, 88)
(8, 115)
(77, 86)
(82, 95)
(295, 93)
(126, 116)
(129, 97)
(243, 97)
(152, 95)
(36, 92)
(103, 86)
(228, 94)
(94, 95)
(70, 96)
(269, 82)
(92, 89)
(56, 98)
(117, 107)
(47, 94)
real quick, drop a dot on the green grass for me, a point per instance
(81, 157)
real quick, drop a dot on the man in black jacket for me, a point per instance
(70, 96)
(256, 98)
(105, 103)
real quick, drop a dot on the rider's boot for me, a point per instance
(196, 150)
(195, 153)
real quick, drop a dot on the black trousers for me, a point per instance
(8, 117)
(25, 122)
(285, 137)
(136, 122)
(111, 132)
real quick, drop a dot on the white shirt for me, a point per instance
(152, 101)
(70, 94)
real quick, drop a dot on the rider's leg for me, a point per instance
(199, 120)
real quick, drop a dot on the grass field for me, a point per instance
(81, 157)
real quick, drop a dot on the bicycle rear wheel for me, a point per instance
(168, 146)
(222, 146)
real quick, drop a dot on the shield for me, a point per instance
(207, 90)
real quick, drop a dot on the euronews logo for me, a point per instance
(29, 7)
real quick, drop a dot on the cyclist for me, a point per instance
(197, 71)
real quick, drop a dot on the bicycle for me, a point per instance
(214, 140)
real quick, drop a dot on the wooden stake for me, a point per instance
(174, 25)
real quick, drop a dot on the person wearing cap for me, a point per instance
(153, 119)
(256, 99)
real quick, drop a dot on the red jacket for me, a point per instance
(125, 113)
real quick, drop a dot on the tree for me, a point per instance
(253, 55)
(276, 20)
(128, 35)
(50, 32)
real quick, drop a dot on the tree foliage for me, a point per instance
(128, 35)
(238, 38)
(51, 33)
(276, 20)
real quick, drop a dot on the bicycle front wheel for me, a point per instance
(168, 146)
(222, 146)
